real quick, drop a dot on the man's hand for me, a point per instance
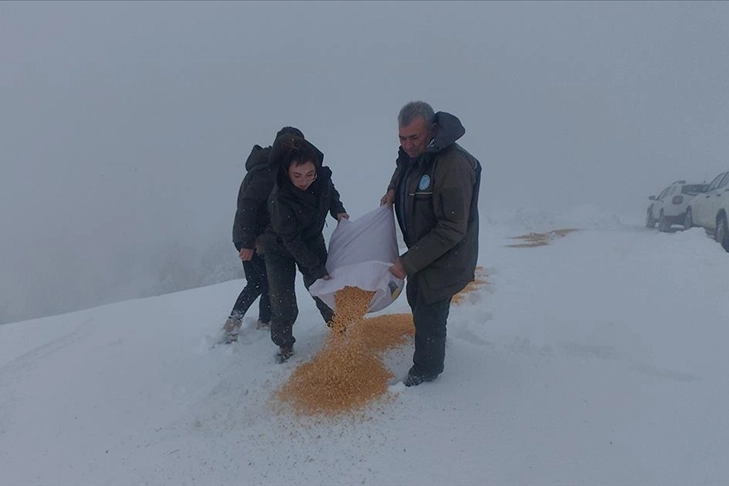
(397, 269)
(245, 254)
(342, 216)
(388, 198)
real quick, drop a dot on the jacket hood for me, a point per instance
(258, 158)
(291, 130)
(448, 129)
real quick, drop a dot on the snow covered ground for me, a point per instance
(600, 358)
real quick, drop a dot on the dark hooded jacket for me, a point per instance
(298, 217)
(251, 217)
(436, 202)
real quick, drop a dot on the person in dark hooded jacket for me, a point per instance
(302, 196)
(251, 220)
(435, 190)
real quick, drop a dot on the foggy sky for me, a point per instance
(124, 126)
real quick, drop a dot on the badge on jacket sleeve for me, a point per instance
(424, 182)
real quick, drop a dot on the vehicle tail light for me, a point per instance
(677, 199)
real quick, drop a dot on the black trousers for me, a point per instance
(281, 269)
(256, 285)
(430, 331)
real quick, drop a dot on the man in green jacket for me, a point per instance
(434, 190)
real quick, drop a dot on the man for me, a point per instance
(251, 220)
(434, 190)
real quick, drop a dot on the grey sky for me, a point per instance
(124, 126)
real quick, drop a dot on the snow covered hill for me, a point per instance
(599, 358)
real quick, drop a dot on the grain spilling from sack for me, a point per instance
(351, 304)
(348, 373)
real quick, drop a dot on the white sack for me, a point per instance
(361, 253)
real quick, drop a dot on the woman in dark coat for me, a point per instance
(302, 196)
(251, 221)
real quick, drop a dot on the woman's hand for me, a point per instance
(245, 254)
(342, 216)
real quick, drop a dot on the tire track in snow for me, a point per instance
(28, 361)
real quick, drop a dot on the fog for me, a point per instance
(124, 126)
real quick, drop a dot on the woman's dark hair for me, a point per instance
(298, 152)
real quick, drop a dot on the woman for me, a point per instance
(251, 220)
(302, 196)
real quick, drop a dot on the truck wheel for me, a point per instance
(649, 221)
(663, 224)
(721, 235)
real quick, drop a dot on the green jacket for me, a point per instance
(436, 203)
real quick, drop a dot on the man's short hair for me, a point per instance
(413, 110)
